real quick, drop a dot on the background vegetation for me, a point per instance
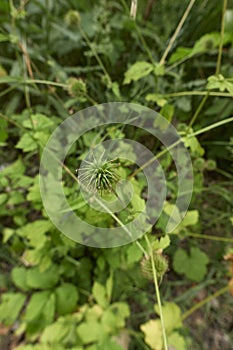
(58, 57)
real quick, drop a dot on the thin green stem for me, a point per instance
(98, 59)
(196, 114)
(210, 127)
(157, 293)
(213, 238)
(201, 131)
(198, 93)
(205, 301)
(218, 67)
(177, 31)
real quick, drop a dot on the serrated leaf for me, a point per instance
(161, 243)
(27, 143)
(35, 232)
(38, 122)
(137, 71)
(192, 265)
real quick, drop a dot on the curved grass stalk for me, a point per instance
(205, 301)
(177, 31)
(218, 67)
(157, 293)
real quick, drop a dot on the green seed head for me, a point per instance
(161, 266)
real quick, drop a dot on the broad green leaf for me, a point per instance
(35, 232)
(193, 265)
(43, 279)
(180, 54)
(121, 312)
(38, 122)
(137, 71)
(10, 307)
(56, 332)
(99, 294)
(134, 254)
(90, 332)
(19, 277)
(66, 298)
(36, 305)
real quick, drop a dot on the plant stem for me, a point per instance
(196, 114)
(205, 301)
(201, 131)
(176, 33)
(213, 238)
(157, 293)
(196, 93)
(218, 67)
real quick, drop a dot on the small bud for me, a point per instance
(199, 164)
(72, 18)
(76, 87)
(210, 165)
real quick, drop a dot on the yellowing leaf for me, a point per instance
(153, 334)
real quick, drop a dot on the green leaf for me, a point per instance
(36, 305)
(10, 307)
(180, 54)
(109, 287)
(191, 218)
(157, 98)
(4, 37)
(19, 277)
(38, 122)
(90, 332)
(134, 254)
(66, 298)
(43, 279)
(35, 232)
(192, 265)
(176, 341)
(137, 71)
(99, 294)
(161, 243)
(27, 143)
(171, 315)
(219, 83)
(56, 332)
